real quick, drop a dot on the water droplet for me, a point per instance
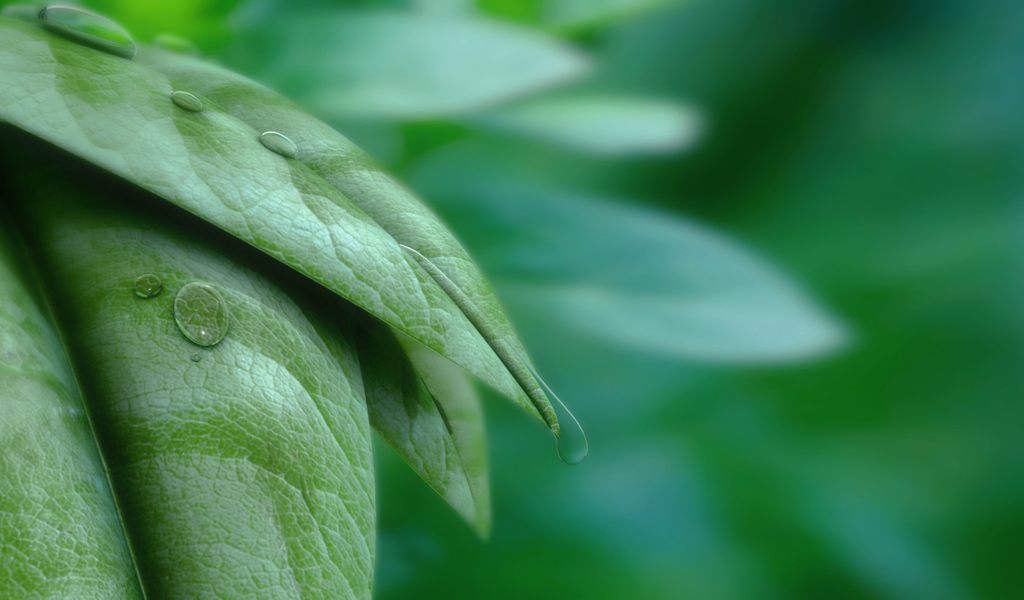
(196, 357)
(174, 43)
(187, 101)
(148, 285)
(201, 314)
(23, 12)
(279, 143)
(88, 28)
(571, 441)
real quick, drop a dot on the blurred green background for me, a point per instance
(770, 252)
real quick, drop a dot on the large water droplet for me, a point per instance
(571, 441)
(88, 28)
(148, 285)
(187, 101)
(201, 314)
(23, 12)
(279, 143)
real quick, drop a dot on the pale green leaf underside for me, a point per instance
(117, 114)
(416, 423)
(601, 124)
(246, 473)
(389, 64)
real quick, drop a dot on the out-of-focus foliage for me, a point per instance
(873, 149)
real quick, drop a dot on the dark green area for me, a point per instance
(870, 151)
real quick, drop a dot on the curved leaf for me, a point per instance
(330, 155)
(117, 114)
(603, 125)
(628, 275)
(60, 532)
(395, 65)
(242, 469)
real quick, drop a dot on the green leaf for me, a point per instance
(118, 114)
(333, 157)
(60, 532)
(604, 125)
(627, 275)
(570, 16)
(240, 469)
(402, 66)
(438, 431)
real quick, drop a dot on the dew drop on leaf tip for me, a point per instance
(148, 285)
(201, 314)
(279, 143)
(571, 441)
(186, 101)
(88, 28)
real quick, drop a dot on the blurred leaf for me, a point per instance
(570, 15)
(402, 66)
(202, 22)
(624, 274)
(605, 125)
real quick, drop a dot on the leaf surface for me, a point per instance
(117, 114)
(60, 532)
(333, 157)
(243, 469)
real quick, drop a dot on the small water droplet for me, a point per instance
(571, 443)
(201, 314)
(174, 43)
(148, 285)
(187, 101)
(88, 28)
(279, 143)
(196, 357)
(23, 12)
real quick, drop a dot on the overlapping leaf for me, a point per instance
(333, 157)
(66, 508)
(117, 114)
(240, 469)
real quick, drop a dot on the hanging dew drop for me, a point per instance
(148, 285)
(202, 314)
(89, 29)
(186, 101)
(279, 143)
(571, 441)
